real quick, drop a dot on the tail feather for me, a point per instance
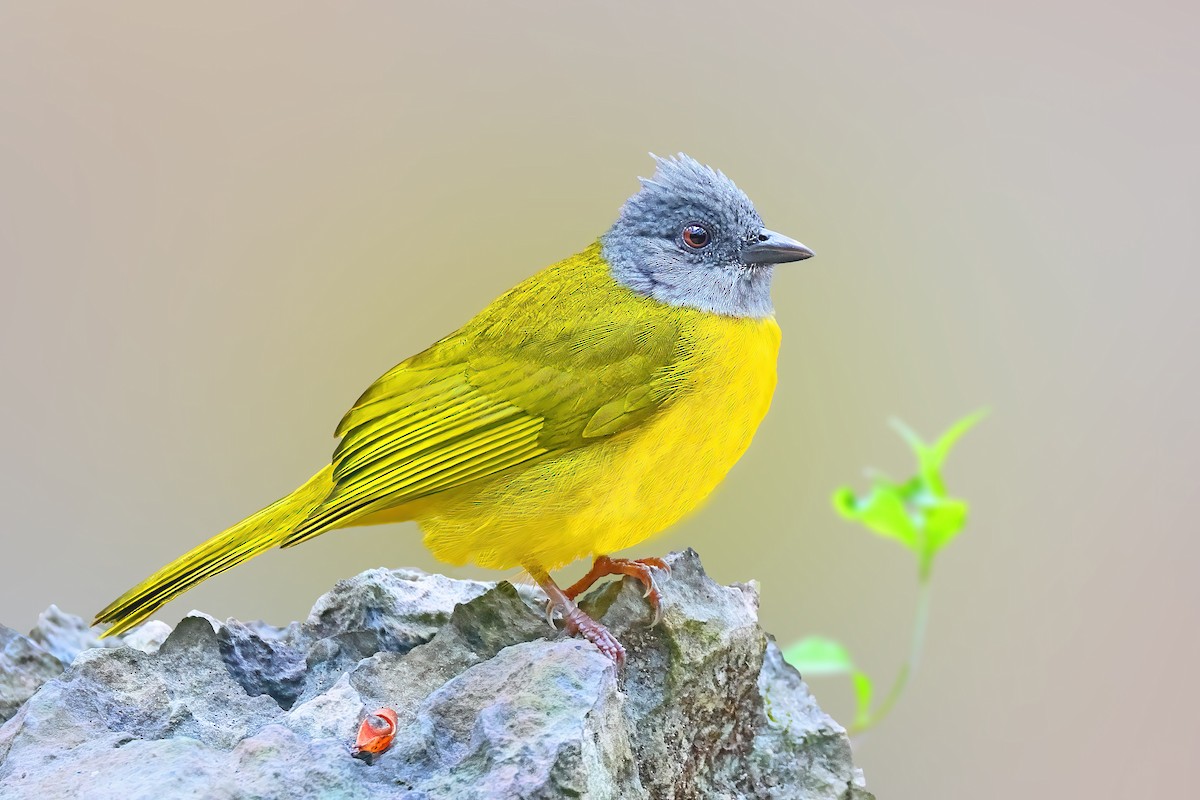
(256, 534)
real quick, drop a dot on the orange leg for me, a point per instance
(574, 620)
(641, 569)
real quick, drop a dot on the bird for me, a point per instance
(580, 413)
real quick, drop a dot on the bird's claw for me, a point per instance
(575, 620)
(641, 570)
(578, 622)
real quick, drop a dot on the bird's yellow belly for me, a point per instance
(612, 494)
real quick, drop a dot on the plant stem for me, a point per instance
(916, 645)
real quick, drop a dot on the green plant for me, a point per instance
(924, 518)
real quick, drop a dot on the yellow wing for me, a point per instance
(544, 369)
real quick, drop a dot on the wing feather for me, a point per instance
(517, 384)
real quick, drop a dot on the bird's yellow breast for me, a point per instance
(618, 491)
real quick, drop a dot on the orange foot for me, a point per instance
(641, 569)
(574, 620)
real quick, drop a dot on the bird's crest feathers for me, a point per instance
(645, 254)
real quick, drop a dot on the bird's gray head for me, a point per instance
(692, 238)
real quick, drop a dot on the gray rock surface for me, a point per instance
(24, 667)
(490, 702)
(65, 636)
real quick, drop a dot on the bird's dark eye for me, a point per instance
(696, 236)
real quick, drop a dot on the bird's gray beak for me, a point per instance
(774, 248)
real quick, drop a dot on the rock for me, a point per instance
(65, 636)
(265, 659)
(401, 608)
(27, 662)
(490, 702)
(24, 666)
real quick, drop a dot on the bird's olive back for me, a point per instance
(678, 241)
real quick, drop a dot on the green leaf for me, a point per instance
(931, 458)
(918, 513)
(881, 511)
(943, 522)
(817, 655)
(863, 693)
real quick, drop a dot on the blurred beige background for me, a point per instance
(219, 224)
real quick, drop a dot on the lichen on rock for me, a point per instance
(490, 702)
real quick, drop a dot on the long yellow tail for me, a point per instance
(255, 534)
